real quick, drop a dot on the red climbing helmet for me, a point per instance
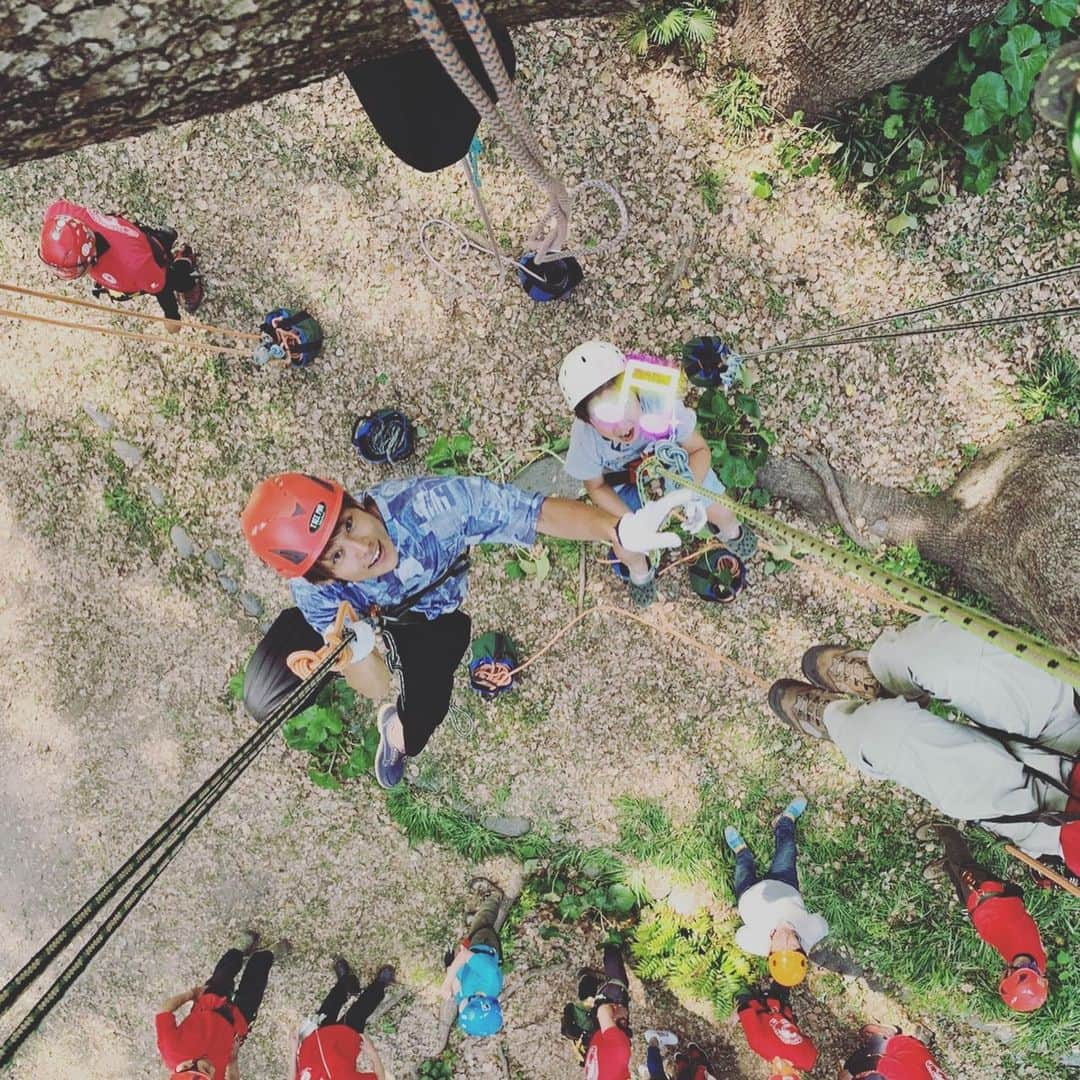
(289, 520)
(68, 246)
(1023, 990)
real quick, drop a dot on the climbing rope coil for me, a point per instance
(510, 125)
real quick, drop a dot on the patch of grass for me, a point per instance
(1051, 391)
(739, 104)
(689, 26)
(710, 185)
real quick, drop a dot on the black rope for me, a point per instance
(1035, 279)
(158, 850)
(998, 320)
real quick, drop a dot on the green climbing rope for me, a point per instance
(1057, 662)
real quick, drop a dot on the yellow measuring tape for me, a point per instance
(1057, 662)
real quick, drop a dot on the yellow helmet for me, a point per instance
(788, 966)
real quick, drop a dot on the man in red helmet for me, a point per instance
(397, 554)
(123, 259)
(204, 1044)
(1001, 920)
(888, 1054)
(771, 1032)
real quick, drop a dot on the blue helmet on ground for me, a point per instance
(480, 1015)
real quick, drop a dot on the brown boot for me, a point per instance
(801, 706)
(841, 671)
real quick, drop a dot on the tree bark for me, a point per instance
(1009, 527)
(85, 71)
(816, 53)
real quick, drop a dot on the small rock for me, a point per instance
(251, 604)
(229, 584)
(102, 420)
(1062, 185)
(181, 541)
(127, 452)
(157, 496)
(507, 826)
(214, 559)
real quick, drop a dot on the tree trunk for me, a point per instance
(816, 53)
(85, 71)
(1009, 527)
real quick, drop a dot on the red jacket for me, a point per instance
(330, 1053)
(771, 1031)
(1004, 924)
(202, 1033)
(905, 1058)
(131, 263)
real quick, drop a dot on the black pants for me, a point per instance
(179, 272)
(426, 652)
(249, 996)
(359, 1011)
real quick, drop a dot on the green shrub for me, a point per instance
(689, 26)
(341, 744)
(738, 103)
(1052, 390)
(737, 437)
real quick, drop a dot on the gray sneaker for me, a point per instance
(389, 763)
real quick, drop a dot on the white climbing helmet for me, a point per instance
(587, 368)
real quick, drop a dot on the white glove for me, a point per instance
(362, 643)
(695, 515)
(639, 531)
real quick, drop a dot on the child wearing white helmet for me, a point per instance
(610, 434)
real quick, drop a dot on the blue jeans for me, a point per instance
(782, 867)
(655, 1064)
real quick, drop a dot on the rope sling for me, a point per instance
(149, 862)
(510, 125)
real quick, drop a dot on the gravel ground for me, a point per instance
(118, 650)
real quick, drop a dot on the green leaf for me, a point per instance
(461, 445)
(896, 225)
(235, 686)
(1025, 125)
(761, 189)
(620, 899)
(896, 98)
(513, 570)
(1010, 13)
(736, 473)
(1023, 56)
(989, 100)
(892, 125)
(1058, 13)
(360, 760)
(747, 404)
(323, 779)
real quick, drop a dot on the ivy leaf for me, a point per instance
(984, 41)
(760, 185)
(892, 125)
(989, 100)
(896, 225)
(1009, 13)
(736, 473)
(1059, 13)
(748, 405)
(323, 780)
(513, 570)
(620, 899)
(1023, 56)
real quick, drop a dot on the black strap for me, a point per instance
(1038, 817)
(149, 861)
(395, 611)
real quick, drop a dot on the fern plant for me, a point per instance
(690, 25)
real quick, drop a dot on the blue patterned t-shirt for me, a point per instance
(430, 521)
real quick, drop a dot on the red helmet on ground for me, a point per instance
(189, 1074)
(68, 246)
(289, 520)
(1024, 990)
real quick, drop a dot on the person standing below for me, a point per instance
(608, 439)
(398, 554)
(1000, 918)
(1013, 770)
(599, 1023)
(474, 976)
(888, 1054)
(329, 1044)
(771, 1032)
(776, 922)
(204, 1045)
(124, 259)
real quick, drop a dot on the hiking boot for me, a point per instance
(841, 671)
(802, 706)
(589, 982)
(249, 941)
(389, 763)
(344, 973)
(193, 297)
(386, 975)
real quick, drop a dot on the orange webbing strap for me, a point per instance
(304, 661)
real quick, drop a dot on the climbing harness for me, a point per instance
(508, 122)
(289, 333)
(264, 350)
(1056, 661)
(494, 659)
(384, 436)
(148, 862)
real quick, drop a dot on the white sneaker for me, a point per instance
(664, 1038)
